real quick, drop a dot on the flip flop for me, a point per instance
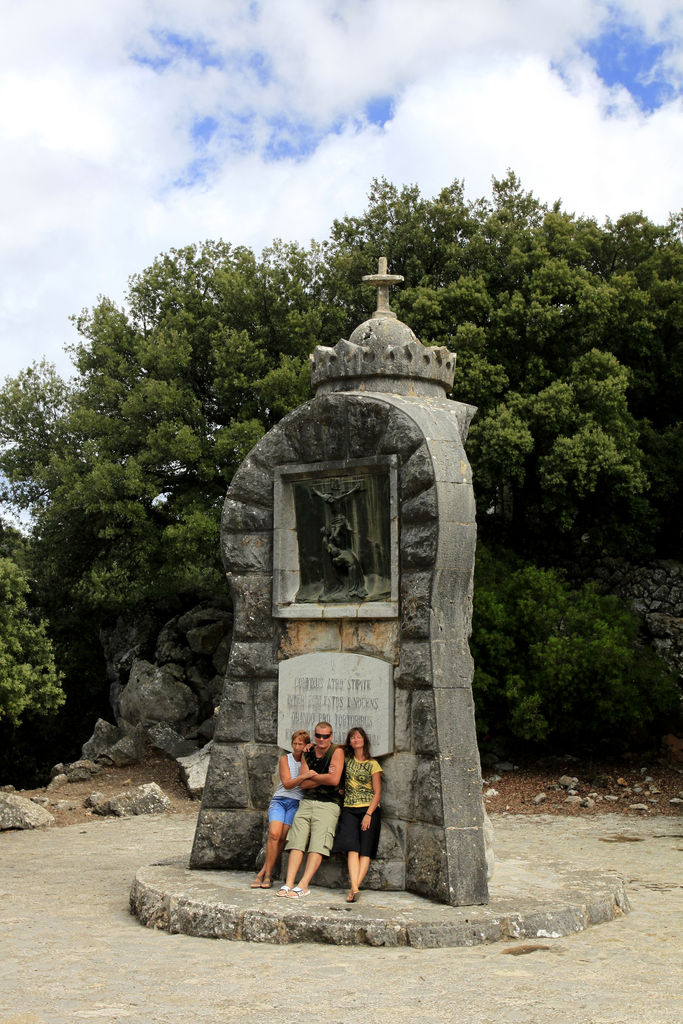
(297, 893)
(266, 883)
(256, 884)
(350, 896)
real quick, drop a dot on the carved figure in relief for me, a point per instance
(344, 576)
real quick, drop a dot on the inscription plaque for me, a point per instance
(345, 690)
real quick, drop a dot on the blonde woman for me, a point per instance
(284, 805)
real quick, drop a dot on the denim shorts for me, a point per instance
(283, 808)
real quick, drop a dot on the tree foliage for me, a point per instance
(562, 665)
(29, 680)
(568, 335)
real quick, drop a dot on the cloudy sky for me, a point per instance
(132, 126)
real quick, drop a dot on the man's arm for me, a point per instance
(330, 778)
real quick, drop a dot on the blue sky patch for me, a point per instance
(171, 48)
(260, 65)
(291, 139)
(379, 109)
(624, 56)
(204, 128)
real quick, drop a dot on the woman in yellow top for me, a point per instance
(361, 817)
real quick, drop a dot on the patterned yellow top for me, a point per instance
(358, 790)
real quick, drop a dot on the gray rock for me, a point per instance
(588, 802)
(567, 781)
(104, 735)
(147, 799)
(163, 737)
(58, 780)
(81, 771)
(94, 800)
(611, 797)
(221, 656)
(207, 728)
(573, 800)
(171, 646)
(158, 693)
(193, 769)
(638, 807)
(130, 749)
(676, 801)
(540, 798)
(205, 639)
(18, 812)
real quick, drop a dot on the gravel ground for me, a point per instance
(71, 952)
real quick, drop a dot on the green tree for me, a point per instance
(560, 664)
(29, 681)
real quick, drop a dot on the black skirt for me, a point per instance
(351, 838)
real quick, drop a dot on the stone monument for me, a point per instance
(348, 537)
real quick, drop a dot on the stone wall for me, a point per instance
(655, 591)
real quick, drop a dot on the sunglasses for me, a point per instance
(323, 735)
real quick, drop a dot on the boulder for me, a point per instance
(171, 646)
(193, 770)
(147, 799)
(81, 771)
(18, 812)
(205, 639)
(158, 693)
(122, 644)
(104, 735)
(130, 749)
(163, 737)
(221, 656)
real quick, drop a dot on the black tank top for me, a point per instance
(321, 765)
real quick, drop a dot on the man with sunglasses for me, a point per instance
(315, 822)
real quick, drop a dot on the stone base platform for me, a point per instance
(526, 901)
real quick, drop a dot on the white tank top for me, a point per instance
(294, 772)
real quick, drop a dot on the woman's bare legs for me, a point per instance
(352, 866)
(275, 844)
(363, 865)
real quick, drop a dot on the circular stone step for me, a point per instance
(526, 901)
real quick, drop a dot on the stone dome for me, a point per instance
(383, 354)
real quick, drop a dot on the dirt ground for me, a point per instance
(631, 779)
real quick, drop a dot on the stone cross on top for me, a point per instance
(383, 281)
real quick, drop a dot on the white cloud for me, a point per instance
(96, 139)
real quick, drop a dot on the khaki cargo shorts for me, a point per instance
(313, 827)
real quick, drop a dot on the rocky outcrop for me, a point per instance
(171, 675)
(165, 686)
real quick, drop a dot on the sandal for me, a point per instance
(283, 891)
(352, 896)
(296, 893)
(266, 883)
(256, 884)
